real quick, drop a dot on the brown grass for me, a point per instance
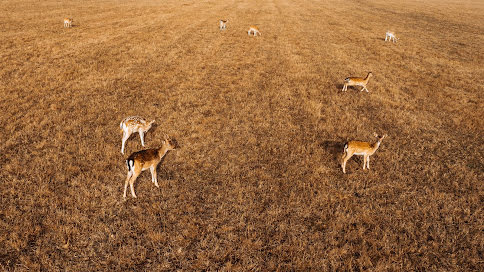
(261, 122)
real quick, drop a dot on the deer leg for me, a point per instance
(344, 166)
(154, 179)
(142, 137)
(345, 159)
(126, 183)
(368, 162)
(364, 162)
(132, 180)
(125, 137)
(153, 176)
(343, 162)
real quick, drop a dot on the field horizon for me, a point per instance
(256, 183)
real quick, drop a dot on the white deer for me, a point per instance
(391, 37)
(223, 24)
(134, 124)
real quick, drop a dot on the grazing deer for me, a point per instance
(67, 22)
(134, 124)
(146, 159)
(223, 24)
(360, 148)
(254, 30)
(357, 81)
(391, 36)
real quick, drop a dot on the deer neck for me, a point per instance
(376, 146)
(162, 151)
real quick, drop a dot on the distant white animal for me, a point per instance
(134, 124)
(67, 22)
(391, 37)
(253, 30)
(223, 24)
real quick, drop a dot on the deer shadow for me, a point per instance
(163, 172)
(153, 129)
(335, 148)
(339, 86)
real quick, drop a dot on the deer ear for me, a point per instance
(375, 134)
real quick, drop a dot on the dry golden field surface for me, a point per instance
(256, 183)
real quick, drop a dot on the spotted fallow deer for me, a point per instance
(254, 30)
(67, 22)
(364, 149)
(146, 159)
(134, 124)
(357, 81)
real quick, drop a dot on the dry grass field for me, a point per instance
(261, 122)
